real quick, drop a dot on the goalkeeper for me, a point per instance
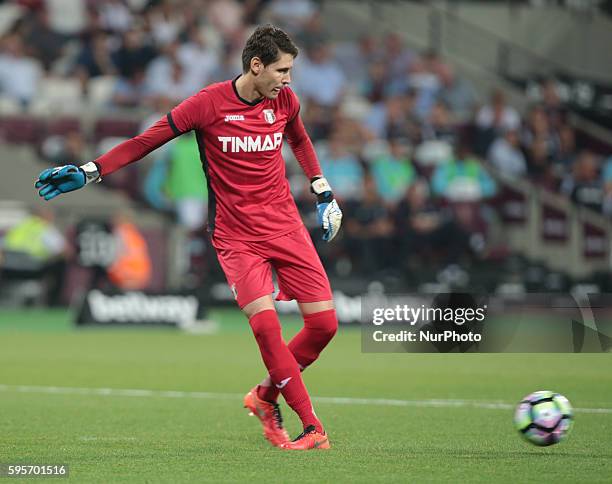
(253, 220)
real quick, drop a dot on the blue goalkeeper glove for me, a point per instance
(63, 179)
(329, 214)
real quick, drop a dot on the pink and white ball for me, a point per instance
(544, 418)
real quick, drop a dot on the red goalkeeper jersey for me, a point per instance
(240, 149)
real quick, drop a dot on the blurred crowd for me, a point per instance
(413, 151)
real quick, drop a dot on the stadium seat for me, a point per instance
(9, 106)
(100, 90)
(62, 126)
(113, 127)
(20, 129)
(57, 95)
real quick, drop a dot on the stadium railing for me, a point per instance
(548, 227)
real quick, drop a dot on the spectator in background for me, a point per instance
(94, 59)
(537, 127)
(319, 77)
(539, 164)
(114, 15)
(134, 54)
(292, 15)
(375, 85)
(350, 130)
(182, 69)
(229, 63)
(426, 79)
(36, 249)
(424, 231)
(493, 120)
(505, 155)
(227, 17)
(169, 80)
(342, 168)
(462, 179)
(42, 41)
(394, 118)
(398, 58)
(132, 268)
(19, 74)
(555, 111)
(318, 120)
(313, 32)
(458, 94)
(176, 181)
(253, 10)
(198, 60)
(166, 22)
(393, 173)
(498, 115)
(130, 92)
(355, 58)
(585, 184)
(566, 152)
(439, 125)
(369, 230)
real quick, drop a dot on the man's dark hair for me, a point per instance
(267, 42)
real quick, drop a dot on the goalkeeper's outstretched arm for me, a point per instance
(62, 179)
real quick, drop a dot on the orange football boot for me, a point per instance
(309, 439)
(269, 415)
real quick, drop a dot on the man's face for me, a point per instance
(273, 77)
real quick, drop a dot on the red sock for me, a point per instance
(319, 328)
(282, 367)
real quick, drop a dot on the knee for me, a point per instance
(325, 323)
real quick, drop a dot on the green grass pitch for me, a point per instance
(434, 425)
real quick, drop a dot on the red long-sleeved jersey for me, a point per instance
(240, 149)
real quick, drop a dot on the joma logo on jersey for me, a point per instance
(236, 144)
(234, 117)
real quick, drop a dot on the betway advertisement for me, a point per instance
(139, 308)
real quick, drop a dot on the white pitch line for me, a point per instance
(385, 402)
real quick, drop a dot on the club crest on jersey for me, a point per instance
(269, 115)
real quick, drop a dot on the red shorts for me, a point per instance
(299, 272)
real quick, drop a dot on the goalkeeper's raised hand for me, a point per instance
(63, 179)
(329, 214)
